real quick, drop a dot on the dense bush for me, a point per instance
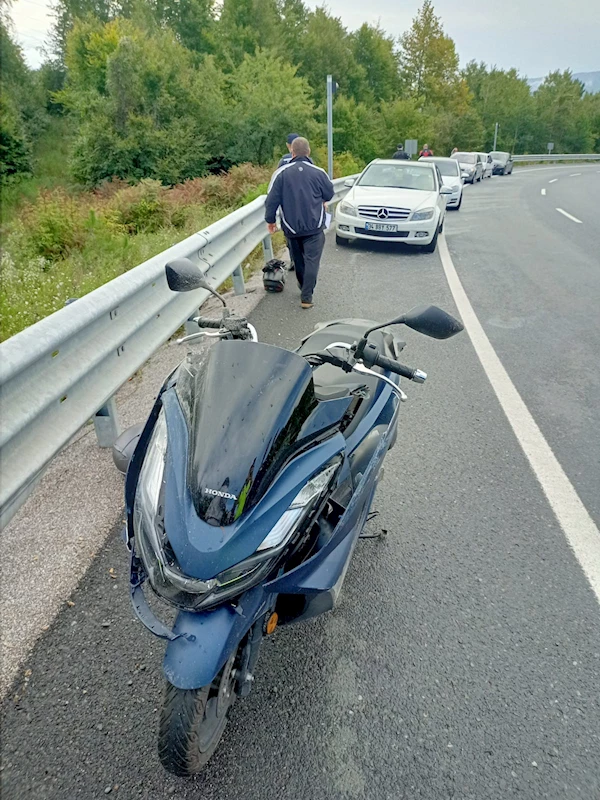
(53, 226)
(144, 208)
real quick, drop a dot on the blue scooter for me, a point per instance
(246, 493)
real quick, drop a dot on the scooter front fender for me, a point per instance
(208, 639)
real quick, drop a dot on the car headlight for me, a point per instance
(348, 208)
(455, 188)
(423, 213)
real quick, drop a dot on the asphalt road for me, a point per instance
(464, 659)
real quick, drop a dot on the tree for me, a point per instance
(504, 97)
(143, 110)
(561, 114)
(21, 105)
(401, 120)
(429, 62)
(327, 49)
(245, 26)
(356, 128)
(267, 100)
(374, 52)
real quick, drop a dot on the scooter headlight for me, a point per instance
(288, 523)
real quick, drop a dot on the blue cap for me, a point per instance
(291, 137)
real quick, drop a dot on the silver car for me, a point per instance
(487, 163)
(470, 165)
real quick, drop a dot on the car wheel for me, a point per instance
(430, 248)
(341, 241)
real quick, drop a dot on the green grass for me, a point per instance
(51, 156)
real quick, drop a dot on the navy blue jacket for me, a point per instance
(284, 160)
(299, 189)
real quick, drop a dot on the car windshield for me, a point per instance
(466, 158)
(398, 176)
(448, 168)
(499, 156)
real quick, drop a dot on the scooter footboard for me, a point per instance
(208, 639)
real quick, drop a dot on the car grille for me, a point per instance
(384, 234)
(390, 213)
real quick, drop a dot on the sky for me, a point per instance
(535, 36)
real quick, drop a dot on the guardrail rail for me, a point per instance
(63, 371)
(558, 157)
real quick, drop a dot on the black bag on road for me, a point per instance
(274, 275)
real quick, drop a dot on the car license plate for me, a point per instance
(380, 226)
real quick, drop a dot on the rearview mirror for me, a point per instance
(184, 276)
(349, 182)
(432, 321)
(445, 190)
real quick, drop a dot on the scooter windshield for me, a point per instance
(245, 405)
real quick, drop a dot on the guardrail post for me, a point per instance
(106, 423)
(267, 244)
(239, 287)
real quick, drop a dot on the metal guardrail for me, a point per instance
(65, 370)
(559, 157)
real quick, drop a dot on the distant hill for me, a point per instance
(591, 81)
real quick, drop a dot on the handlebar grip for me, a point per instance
(393, 366)
(208, 323)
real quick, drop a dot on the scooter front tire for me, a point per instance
(192, 722)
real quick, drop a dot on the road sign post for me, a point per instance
(495, 136)
(330, 91)
(550, 147)
(411, 146)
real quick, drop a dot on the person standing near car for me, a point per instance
(401, 153)
(426, 152)
(300, 190)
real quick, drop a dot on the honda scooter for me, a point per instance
(247, 491)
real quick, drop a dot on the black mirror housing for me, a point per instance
(432, 321)
(184, 276)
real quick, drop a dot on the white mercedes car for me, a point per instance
(394, 201)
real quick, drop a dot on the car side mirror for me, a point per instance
(445, 190)
(349, 182)
(431, 321)
(185, 276)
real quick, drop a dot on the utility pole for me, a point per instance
(495, 137)
(331, 88)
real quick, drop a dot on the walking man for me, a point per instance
(300, 190)
(401, 153)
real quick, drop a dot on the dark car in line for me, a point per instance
(503, 162)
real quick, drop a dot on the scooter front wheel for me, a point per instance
(192, 722)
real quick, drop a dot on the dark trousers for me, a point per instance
(306, 252)
(289, 247)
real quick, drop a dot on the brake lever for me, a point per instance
(193, 336)
(362, 370)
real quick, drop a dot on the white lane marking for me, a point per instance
(579, 528)
(553, 180)
(569, 216)
(574, 174)
(543, 191)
